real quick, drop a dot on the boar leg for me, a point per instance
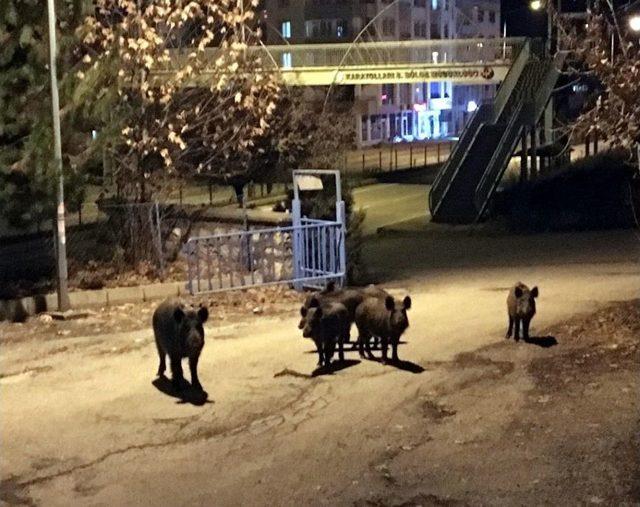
(368, 345)
(518, 320)
(193, 367)
(177, 378)
(384, 341)
(341, 339)
(525, 328)
(320, 351)
(163, 365)
(363, 337)
(394, 347)
(510, 330)
(329, 349)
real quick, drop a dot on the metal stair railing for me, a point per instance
(500, 160)
(443, 181)
(527, 113)
(485, 114)
(510, 82)
(545, 90)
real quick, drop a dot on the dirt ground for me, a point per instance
(225, 307)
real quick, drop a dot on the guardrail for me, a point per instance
(363, 54)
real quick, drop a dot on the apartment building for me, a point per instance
(394, 112)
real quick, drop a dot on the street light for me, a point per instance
(61, 247)
(634, 22)
(536, 5)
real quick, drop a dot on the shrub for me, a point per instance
(324, 208)
(592, 193)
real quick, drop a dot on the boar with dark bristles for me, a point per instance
(327, 324)
(383, 319)
(521, 307)
(350, 297)
(179, 333)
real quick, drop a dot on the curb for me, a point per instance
(19, 310)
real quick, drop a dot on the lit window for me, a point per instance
(286, 60)
(434, 5)
(286, 29)
(434, 91)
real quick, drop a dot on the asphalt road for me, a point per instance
(388, 203)
(83, 425)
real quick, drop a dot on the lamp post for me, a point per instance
(537, 5)
(634, 23)
(61, 247)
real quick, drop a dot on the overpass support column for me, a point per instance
(548, 122)
(523, 155)
(534, 155)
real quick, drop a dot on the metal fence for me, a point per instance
(309, 253)
(244, 259)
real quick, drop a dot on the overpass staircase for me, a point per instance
(466, 183)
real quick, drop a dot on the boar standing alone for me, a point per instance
(327, 324)
(384, 320)
(521, 307)
(179, 333)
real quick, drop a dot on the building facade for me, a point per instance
(401, 111)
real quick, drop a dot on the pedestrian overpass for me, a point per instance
(466, 183)
(462, 61)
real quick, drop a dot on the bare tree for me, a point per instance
(175, 88)
(603, 48)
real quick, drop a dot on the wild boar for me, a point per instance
(327, 324)
(521, 307)
(179, 333)
(383, 319)
(350, 297)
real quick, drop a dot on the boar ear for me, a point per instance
(318, 314)
(178, 314)
(406, 303)
(331, 286)
(314, 303)
(203, 314)
(303, 311)
(535, 292)
(389, 303)
(518, 292)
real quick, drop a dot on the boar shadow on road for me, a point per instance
(334, 367)
(401, 364)
(188, 394)
(542, 341)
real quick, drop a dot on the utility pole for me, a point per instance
(61, 250)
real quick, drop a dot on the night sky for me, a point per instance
(522, 21)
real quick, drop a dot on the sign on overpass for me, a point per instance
(461, 74)
(465, 61)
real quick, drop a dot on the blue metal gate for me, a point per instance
(309, 253)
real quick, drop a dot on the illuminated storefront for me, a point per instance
(417, 112)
